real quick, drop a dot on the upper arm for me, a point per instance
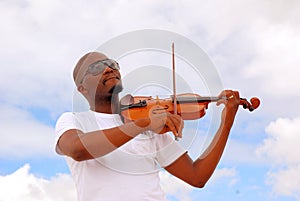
(183, 168)
(70, 144)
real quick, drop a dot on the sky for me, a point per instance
(254, 45)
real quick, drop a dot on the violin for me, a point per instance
(189, 106)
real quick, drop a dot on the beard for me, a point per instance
(116, 89)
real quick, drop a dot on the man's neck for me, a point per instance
(109, 105)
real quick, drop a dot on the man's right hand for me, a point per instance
(165, 122)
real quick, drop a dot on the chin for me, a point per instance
(116, 89)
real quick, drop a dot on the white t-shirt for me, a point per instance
(130, 172)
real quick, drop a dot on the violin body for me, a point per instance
(133, 108)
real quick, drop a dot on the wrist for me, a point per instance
(227, 120)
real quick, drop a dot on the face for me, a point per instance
(99, 77)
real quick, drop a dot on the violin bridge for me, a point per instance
(157, 100)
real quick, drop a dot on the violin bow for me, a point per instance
(174, 83)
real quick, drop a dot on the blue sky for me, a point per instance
(254, 45)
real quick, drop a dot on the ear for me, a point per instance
(81, 89)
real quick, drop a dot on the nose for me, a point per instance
(107, 70)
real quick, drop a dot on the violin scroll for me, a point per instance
(254, 103)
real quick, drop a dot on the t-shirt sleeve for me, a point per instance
(168, 150)
(64, 123)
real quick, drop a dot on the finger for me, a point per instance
(171, 126)
(178, 123)
(225, 96)
(181, 125)
(233, 97)
(224, 93)
(221, 101)
(237, 94)
(175, 124)
(158, 122)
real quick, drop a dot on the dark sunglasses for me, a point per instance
(99, 67)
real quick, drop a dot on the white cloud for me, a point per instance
(285, 182)
(23, 136)
(183, 191)
(25, 186)
(276, 63)
(282, 142)
(281, 150)
(22, 185)
(222, 174)
(239, 152)
(175, 187)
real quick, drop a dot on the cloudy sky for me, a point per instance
(254, 45)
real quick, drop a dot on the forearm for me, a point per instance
(99, 143)
(205, 165)
(83, 146)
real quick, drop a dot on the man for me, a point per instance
(111, 160)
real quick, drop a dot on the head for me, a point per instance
(95, 79)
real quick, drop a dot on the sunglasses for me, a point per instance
(99, 67)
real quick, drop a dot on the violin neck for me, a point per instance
(193, 99)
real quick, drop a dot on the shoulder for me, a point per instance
(72, 116)
(64, 122)
(66, 115)
(68, 120)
